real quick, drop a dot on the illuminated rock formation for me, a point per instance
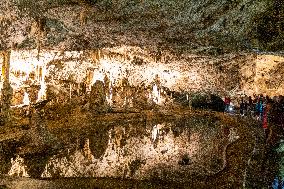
(18, 167)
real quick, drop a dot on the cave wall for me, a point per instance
(127, 71)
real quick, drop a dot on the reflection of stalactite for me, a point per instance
(87, 151)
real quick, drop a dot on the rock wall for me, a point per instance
(132, 75)
(269, 74)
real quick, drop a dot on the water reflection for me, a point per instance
(140, 150)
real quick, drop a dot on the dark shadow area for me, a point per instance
(269, 30)
(7, 151)
(207, 101)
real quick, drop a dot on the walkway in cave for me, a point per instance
(271, 166)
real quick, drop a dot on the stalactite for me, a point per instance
(95, 56)
(70, 90)
(78, 89)
(6, 65)
(38, 45)
(40, 30)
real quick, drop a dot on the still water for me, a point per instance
(172, 150)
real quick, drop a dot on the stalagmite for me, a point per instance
(155, 132)
(131, 102)
(89, 81)
(98, 102)
(18, 167)
(42, 91)
(125, 102)
(26, 100)
(109, 97)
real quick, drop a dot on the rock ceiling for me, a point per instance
(204, 26)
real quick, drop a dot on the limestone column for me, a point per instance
(98, 102)
(7, 91)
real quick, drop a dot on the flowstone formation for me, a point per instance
(129, 78)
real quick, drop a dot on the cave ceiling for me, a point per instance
(203, 26)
